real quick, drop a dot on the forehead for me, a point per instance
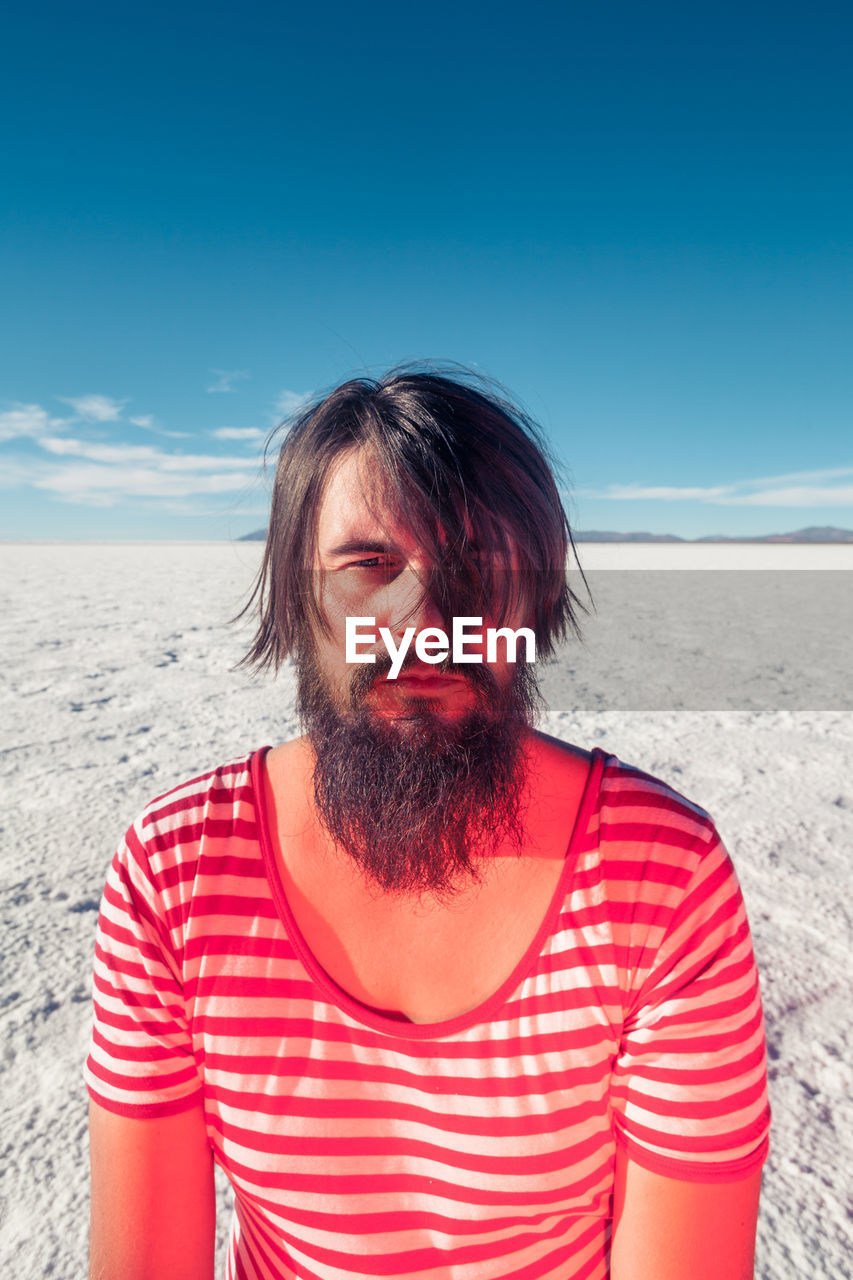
(352, 515)
(349, 507)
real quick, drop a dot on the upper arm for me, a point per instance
(668, 1229)
(153, 1205)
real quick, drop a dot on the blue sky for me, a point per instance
(637, 218)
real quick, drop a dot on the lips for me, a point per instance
(426, 679)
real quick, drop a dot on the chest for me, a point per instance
(421, 960)
(487, 1142)
(491, 1140)
(424, 962)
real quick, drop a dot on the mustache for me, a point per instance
(475, 673)
(418, 810)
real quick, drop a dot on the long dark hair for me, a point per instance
(460, 467)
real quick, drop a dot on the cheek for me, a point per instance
(350, 596)
(328, 659)
(332, 604)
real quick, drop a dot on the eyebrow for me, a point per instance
(361, 546)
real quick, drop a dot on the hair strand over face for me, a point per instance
(457, 465)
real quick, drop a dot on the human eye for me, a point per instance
(384, 565)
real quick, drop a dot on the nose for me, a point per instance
(410, 604)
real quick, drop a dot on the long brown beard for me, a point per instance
(419, 803)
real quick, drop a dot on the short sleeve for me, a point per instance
(689, 1088)
(141, 1060)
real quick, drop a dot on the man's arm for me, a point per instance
(667, 1229)
(153, 1205)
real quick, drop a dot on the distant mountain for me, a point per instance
(598, 535)
(814, 533)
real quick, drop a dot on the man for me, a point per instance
(444, 996)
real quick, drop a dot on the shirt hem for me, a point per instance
(146, 1110)
(694, 1170)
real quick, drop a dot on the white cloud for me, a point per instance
(95, 408)
(147, 423)
(124, 454)
(797, 489)
(27, 420)
(289, 402)
(656, 493)
(238, 433)
(198, 507)
(224, 379)
(795, 496)
(105, 472)
(796, 477)
(96, 485)
(17, 471)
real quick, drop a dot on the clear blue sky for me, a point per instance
(637, 217)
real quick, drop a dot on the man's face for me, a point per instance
(372, 568)
(419, 777)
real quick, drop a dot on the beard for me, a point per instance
(419, 803)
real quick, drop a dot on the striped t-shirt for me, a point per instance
(479, 1148)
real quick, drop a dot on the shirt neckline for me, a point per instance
(399, 1027)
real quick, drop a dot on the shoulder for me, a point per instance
(224, 786)
(562, 765)
(652, 846)
(635, 806)
(625, 804)
(171, 828)
(567, 754)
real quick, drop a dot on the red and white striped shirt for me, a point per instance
(474, 1149)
